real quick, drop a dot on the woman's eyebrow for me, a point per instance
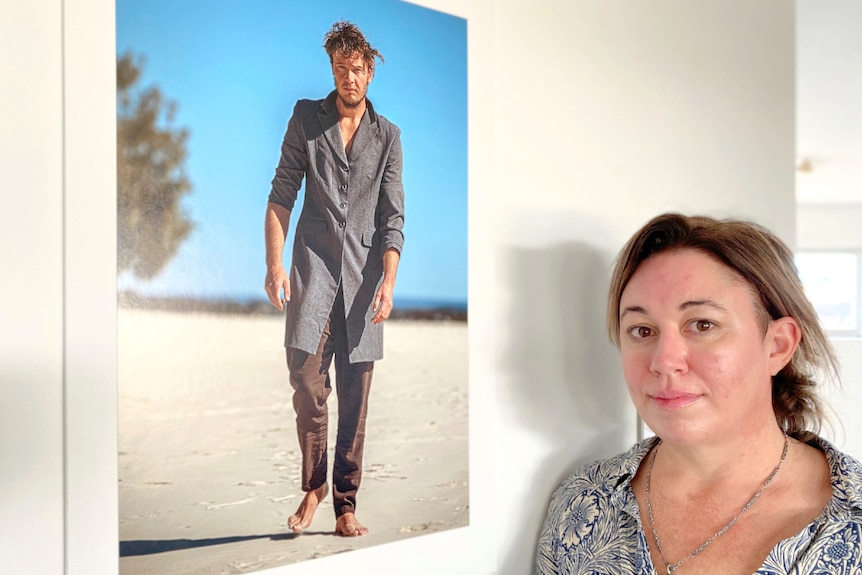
(702, 302)
(633, 309)
(684, 306)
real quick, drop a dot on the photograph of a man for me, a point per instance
(342, 274)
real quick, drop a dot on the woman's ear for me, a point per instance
(784, 336)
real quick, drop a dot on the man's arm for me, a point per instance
(390, 207)
(383, 298)
(275, 229)
(285, 185)
(390, 213)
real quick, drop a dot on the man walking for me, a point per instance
(344, 261)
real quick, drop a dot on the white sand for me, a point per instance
(209, 461)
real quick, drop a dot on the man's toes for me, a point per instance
(348, 526)
(295, 523)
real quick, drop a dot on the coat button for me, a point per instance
(342, 205)
(343, 186)
(340, 224)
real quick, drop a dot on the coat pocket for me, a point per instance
(368, 238)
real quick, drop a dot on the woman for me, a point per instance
(719, 347)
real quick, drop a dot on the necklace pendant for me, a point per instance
(670, 569)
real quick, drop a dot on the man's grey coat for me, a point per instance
(352, 212)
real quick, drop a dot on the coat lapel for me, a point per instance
(366, 133)
(328, 116)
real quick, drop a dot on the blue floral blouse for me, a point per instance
(593, 525)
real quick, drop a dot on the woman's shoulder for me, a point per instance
(605, 475)
(832, 543)
(591, 524)
(846, 477)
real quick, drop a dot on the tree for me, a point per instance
(151, 179)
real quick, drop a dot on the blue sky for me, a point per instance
(236, 68)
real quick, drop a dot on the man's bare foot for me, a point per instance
(348, 526)
(305, 512)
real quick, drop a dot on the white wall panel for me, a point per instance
(31, 288)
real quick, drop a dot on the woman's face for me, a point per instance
(695, 359)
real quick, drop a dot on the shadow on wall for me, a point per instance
(563, 377)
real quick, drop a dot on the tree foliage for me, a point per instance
(151, 179)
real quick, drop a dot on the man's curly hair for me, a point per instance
(346, 38)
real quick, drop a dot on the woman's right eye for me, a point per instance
(640, 331)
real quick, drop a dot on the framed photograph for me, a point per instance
(95, 479)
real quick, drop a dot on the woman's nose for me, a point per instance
(669, 354)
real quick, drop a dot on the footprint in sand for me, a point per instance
(452, 484)
(429, 527)
(382, 472)
(210, 505)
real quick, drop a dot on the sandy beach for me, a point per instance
(209, 460)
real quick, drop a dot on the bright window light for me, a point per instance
(831, 282)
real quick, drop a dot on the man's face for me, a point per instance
(352, 77)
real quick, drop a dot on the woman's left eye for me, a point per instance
(702, 325)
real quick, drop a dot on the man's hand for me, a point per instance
(382, 304)
(277, 282)
(275, 230)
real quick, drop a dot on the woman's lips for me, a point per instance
(674, 399)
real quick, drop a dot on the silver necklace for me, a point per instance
(671, 567)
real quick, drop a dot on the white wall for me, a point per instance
(607, 113)
(825, 227)
(829, 193)
(31, 288)
(586, 119)
(846, 401)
